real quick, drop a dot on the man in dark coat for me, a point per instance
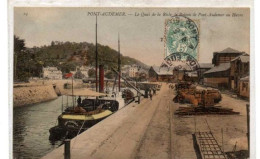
(79, 101)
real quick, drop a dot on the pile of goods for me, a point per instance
(203, 101)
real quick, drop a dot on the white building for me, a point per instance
(133, 70)
(51, 73)
(83, 70)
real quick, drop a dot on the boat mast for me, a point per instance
(119, 63)
(96, 59)
(72, 91)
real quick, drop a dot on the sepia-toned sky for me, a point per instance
(140, 36)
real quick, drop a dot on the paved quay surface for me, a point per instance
(234, 128)
(136, 131)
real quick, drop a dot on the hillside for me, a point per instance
(80, 54)
(67, 55)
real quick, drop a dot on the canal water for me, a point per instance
(31, 126)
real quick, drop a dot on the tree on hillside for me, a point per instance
(79, 75)
(19, 44)
(91, 73)
(109, 75)
(20, 59)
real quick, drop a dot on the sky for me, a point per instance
(140, 37)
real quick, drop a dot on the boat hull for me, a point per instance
(70, 125)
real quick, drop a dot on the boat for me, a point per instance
(76, 119)
(94, 107)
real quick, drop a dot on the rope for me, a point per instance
(64, 138)
(78, 134)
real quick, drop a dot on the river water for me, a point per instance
(31, 126)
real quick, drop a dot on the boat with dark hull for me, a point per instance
(76, 120)
(94, 108)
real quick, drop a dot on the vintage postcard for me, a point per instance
(123, 83)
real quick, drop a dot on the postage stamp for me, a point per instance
(181, 35)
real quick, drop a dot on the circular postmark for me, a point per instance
(181, 35)
(184, 62)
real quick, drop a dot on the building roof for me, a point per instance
(163, 70)
(219, 68)
(229, 50)
(245, 78)
(206, 65)
(243, 58)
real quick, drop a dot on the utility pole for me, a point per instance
(248, 127)
(72, 91)
(119, 63)
(96, 59)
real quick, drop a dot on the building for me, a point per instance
(125, 70)
(81, 72)
(225, 56)
(218, 76)
(84, 70)
(51, 73)
(133, 71)
(239, 68)
(142, 74)
(244, 87)
(191, 76)
(161, 74)
(203, 67)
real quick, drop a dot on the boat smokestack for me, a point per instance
(101, 78)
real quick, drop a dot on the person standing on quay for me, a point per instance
(79, 101)
(151, 95)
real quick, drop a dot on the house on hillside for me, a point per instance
(133, 71)
(239, 68)
(81, 72)
(225, 56)
(51, 73)
(218, 76)
(161, 74)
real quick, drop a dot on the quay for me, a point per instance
(129, 133)
(150, 130)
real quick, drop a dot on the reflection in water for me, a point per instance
(31, 126)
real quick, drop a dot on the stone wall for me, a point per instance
(26, 95)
